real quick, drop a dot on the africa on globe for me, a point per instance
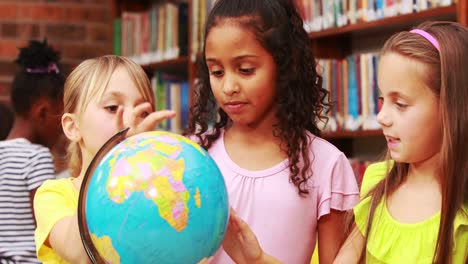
(156, 197)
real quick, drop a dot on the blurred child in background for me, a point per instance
(25, 158)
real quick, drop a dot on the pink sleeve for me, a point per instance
(338, 188)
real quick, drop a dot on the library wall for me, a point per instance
(78, 29)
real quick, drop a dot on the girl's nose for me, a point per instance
(230, 85)
(121, 119)
(383, 117)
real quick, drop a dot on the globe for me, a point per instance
(156, 197)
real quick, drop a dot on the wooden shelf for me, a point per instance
(352, 134)
(177, 66)
(395, 22)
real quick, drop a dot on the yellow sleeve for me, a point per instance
(53, 201)
(373, 175)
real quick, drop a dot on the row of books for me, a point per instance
(324, 14)
(171, 92)
(161, 32)
(352, 86)
(157, 34)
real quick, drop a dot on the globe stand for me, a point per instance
(88, 245)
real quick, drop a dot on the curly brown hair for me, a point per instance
(300, 102)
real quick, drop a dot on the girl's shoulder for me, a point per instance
(62, 185)
(322, 153)
(23, 146)
(374, 174)
(57, 194)
(320, 146)
(333, 176)
(327, 158)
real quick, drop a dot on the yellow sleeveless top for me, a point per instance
(393, 242)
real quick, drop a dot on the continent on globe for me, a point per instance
(104, 246)
(160, 177)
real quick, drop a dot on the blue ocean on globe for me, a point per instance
(156, 197)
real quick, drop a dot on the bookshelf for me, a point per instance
(155, 33)
(334, 43)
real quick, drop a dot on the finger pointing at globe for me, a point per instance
(141, 118)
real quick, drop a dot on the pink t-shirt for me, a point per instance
(285, 223)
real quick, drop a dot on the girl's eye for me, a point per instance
(247, 70)
(217, 73)
(112, 108)
(400, 105)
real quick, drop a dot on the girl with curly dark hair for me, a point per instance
(258, 102)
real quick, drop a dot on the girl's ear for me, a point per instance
(70, 127)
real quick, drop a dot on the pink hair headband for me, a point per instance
(427, 36)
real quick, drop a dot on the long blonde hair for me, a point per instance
(89, 80)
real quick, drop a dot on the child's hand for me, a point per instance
(240, 243)
(142, 119)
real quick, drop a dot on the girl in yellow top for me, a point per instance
(101, 97)
(416, 210)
